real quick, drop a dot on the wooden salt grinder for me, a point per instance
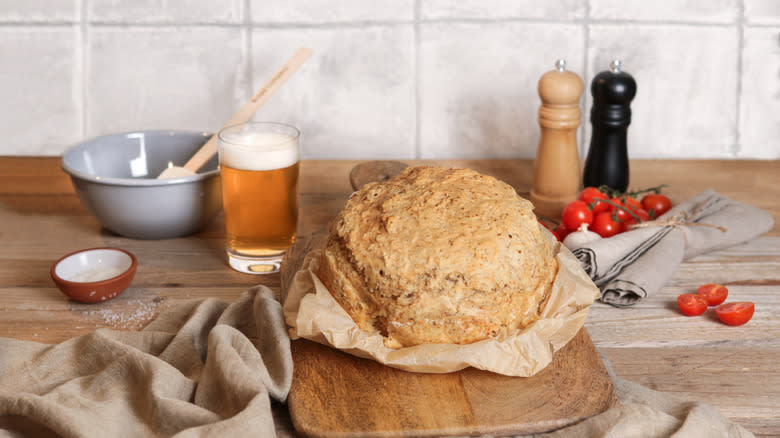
(557, 166)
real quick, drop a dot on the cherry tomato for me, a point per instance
(621, 214)
(640, 213)
(714, 293)
(691, 304)
(632, 203)
(735, 313)
(576, 214)
(605, 225)
(593, 196)
(644, 216)
(561, 232)
(656, 203)
(588, 193)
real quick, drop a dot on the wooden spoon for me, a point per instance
(209, 149)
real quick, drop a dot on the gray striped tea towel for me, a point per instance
(637, 263)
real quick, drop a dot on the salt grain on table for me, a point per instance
(127, 314)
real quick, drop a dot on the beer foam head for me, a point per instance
(258, 150)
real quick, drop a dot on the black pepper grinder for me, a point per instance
(607, 161)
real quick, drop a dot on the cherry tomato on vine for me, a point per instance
(656, 203)
(714, 293)
(561, 232)
(576, 214)
(593, 196)
(588, 193)
(605, 225)
(735, 313)
(640, 213)
(621, 214)
(691, 304)
(632, 203)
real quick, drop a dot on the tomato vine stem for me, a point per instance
(612, 193)
(622, 207)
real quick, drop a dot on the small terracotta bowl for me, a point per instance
(94, 275)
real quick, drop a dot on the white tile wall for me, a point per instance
(762, 11)
(760, 94)
(165, 11)
(39, 11)
(354, 98)
(163, 78)
(486, 9)
(391, 78)
(478, 86)
(686, 77)
(40, 116)
(330, 11)
(694, 11)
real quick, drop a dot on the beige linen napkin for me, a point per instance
(199, 370)
(644, 413)
(207, 369)
(637, 263)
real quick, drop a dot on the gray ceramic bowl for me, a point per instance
(115, 178)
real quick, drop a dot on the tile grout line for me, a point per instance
(368, 23)
(83, 65)
(417, 85)
(82, 26)
(737, 147)
(249, 58)
(585, 72)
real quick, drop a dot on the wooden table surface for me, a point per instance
(733, 368)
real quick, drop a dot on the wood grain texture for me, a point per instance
(332, 395)
(733, 368)
(338, 395)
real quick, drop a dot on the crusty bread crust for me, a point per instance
(438, 255)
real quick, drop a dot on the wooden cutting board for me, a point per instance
(334, 394)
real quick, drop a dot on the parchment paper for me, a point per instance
(312, 313)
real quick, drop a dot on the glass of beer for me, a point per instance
(259, 171)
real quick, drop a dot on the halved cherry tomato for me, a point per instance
(691, 304)
(714, 293)
(576, 214)
(656, 204)
(593, 196)
(605, 225)
(735, 313)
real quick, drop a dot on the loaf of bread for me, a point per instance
(438, 255)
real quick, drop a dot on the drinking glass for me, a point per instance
(259, 170)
